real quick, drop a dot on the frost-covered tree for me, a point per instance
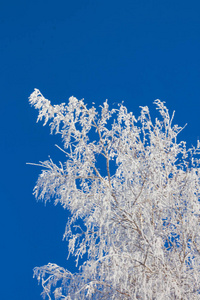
(136, 191)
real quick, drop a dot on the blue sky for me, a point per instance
(131, 50)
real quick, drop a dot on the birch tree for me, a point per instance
(136, 190)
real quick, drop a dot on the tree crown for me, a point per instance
(136, 189)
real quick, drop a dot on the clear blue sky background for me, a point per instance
(131, 50)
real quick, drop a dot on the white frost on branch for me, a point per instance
(141, 231)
